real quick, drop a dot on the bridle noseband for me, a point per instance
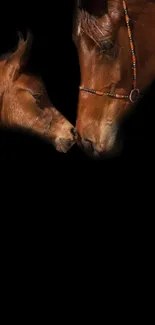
(135, 93)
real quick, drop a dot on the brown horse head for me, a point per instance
(115, 41)
(24, 102)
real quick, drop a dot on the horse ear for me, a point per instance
(17, 61)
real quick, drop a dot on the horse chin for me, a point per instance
(111, 154)
(114, 152)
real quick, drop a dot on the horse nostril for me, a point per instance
(88, 144)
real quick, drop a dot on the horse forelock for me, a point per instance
(93, 28)
(99, 21)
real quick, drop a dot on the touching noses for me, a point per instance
(101, 145)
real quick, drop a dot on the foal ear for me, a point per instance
(17, 61)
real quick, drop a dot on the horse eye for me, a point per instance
(37, 96)
(106, 46)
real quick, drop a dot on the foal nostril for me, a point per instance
(73, 131)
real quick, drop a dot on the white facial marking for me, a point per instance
(108, 135)
(79, 29)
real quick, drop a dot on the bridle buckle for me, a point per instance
(134, 95)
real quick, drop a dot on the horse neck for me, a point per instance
(142, 13)
(136, 7)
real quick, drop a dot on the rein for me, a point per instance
(134, 94)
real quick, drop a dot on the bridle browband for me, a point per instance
(134, 94)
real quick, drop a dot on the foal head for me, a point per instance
(24, 102)
(108, 44)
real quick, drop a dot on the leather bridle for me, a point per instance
(135, 93)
